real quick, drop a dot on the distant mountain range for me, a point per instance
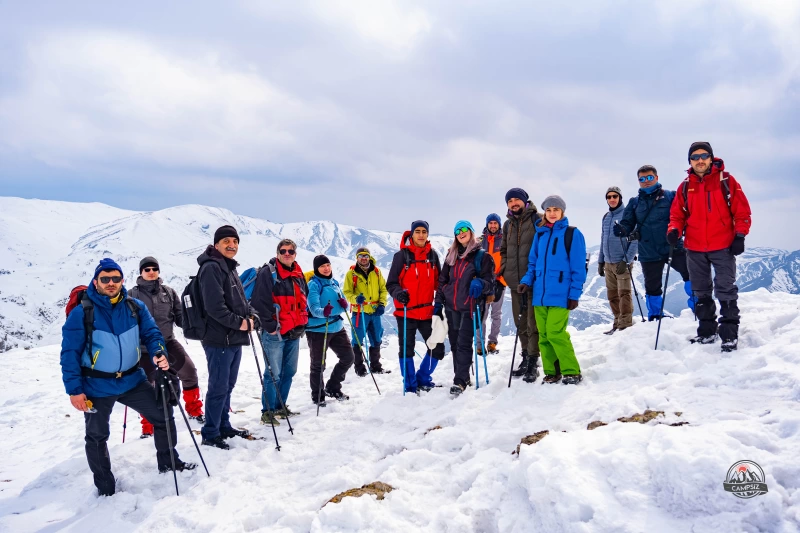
(50, 247)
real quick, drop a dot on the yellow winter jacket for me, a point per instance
(372, 287)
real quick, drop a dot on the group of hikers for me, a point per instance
(537, 255)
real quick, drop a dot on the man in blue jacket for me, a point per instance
(614, 263)
(646, 219)
(97, 376)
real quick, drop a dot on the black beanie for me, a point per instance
(700, 145)
(148, 261)
(419, 224)
(225, 231)
(517, 193)
(318, 262)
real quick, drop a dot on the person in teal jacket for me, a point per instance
(556, 275)
(325, 330)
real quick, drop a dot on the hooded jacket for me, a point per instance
(707, 222)
(289, 290)
(115, 346)
(454, 281)
(518, 234)
(322, 292)
(554, 275)
(420, 278)
(223, 299)
(650, 212)
(612, 248)
(492, 243)
(162, 302)
(371, 285)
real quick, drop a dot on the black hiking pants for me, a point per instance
(460, 331)
(723, 287)
(653, 272)
(142, 399)
(340, 345)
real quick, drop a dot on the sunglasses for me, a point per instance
(459, 231)
(649, 177)
(105, 280)
(698, 157)
(612, 196)
(150, 269)
(286, 251)
(361, 256)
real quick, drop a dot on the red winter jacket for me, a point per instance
(707, 222)
(289, 290)
(416, 270)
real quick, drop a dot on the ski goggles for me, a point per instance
(105, 280)
(649, 177)
(459, 231)
(362, 256)
(698, 157)
(287, 251)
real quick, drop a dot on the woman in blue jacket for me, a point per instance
(557, 272)
(325, 330)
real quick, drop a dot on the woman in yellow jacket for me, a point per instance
(365, 289)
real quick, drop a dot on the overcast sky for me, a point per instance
(379, 112)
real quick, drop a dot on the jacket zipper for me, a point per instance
(455, 289)
(544, 270)
(708, 197)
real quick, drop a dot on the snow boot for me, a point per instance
(551, 380)
(194, 405)
(361, 371)
(692, 301)
(337, 395)
(147, 428)
(572, 379)
(492, 348)
(233, 432)
(286, 413)
(322, 402)
(611, 331)
(523, 366)
(710, 339)
(532, 372)
(456, 390)
(410, 375)
(217, 442)
(654, 304)
(375, 365)
(180, 466)
(426, 368)
(730, 345)
(269, 417)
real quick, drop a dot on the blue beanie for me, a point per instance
(495, 217)
(464, 224)
(107, 264)
(419, 224)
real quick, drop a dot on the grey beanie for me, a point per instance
(147, 261)
(554, 201)
(615, 189)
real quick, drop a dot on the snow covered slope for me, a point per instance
(461, 477)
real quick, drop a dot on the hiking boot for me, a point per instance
(532, 372)
(551, 380)
(268, 418)
(286, 413)
(572, 379)
(361, 372)
(730, 345)
(217, 442)
(145, 435)
(611, 331)
(200, 418)
(523, 366)
(337, 395)
(492, 347)
(233, 432)
(180, 466)
(426, 387)
(480, 350)
(700, 339)
(381, 371)
(456, 390)
(321, 403)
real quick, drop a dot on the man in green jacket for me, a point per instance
(518, 232)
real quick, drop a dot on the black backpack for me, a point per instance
(193, 311)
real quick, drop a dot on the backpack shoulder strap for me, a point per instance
(478, 261)
(726, 187)
(684, 190)
(568, 236)
(133, 307)
(88, 321)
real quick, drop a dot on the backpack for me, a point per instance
(409, 259)
(249, 276)
(193, 311)
(724, 186)
(355, 275)
(78, 296)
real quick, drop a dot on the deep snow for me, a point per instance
(463, 477)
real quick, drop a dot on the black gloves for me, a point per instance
(403, 297)
(165, 378)
(437, 310)
(572, 304)
(673, 237)
(737, 247)
(380, 310)
(601, 269)
(522, 289)
(619, 230)
(622, 267)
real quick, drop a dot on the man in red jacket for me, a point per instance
(712, 212)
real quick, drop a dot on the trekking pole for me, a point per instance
(475, 343)
(169, 434)
(365, 348)
(124, 424)
(277, 326)
(185, 419)
(630, 271)
(405, 334)
(263, 387)
(322, 370)
(275, 384)
(398, 335)
(664, 297)
(480, 330)
(523, 300)
(369, 363)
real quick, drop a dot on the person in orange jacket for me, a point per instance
(492, 239)
(712, 212)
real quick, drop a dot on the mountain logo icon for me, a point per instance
(745, 480)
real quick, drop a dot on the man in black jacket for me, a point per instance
(164, 304)
(229, 321)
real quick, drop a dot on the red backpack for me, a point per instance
(78, 296)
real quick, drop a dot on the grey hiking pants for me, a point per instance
(723, 287)
(495, 310)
